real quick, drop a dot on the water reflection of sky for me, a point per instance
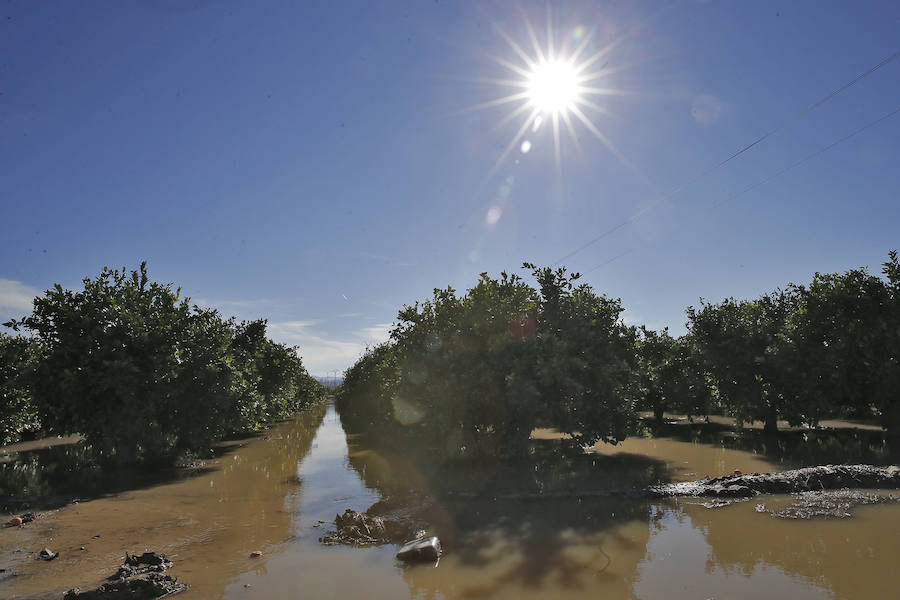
(330, 486)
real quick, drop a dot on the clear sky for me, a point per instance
(314, 163)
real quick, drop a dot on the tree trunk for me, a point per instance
(658, 411)
(771, 426)
(891, 422)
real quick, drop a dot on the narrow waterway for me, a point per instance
(276, 494)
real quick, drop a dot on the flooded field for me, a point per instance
(544, 528)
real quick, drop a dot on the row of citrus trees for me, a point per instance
(142, 374)
(474, 374)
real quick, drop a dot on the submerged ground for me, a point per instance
(545, 528)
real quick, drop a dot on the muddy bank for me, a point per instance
(828, 477)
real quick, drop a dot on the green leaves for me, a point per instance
(143, 375)
(480, 371)
(17, 411)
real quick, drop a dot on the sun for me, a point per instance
(553, 86)
(557, 86)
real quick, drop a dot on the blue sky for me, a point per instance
(314, 163)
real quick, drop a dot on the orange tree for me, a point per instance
(143, 375)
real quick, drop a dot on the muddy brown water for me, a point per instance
(523, 532)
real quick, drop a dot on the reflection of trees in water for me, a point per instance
(851, 558)
(548, 518)
(255, 497)
(247, 502)
(800, 448)
(51, 477)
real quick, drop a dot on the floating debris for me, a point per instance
(47, 554)
(423, 549)
(361, 529)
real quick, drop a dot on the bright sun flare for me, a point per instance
(553, 86)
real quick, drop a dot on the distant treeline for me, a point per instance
(475, 374)
(141, 373)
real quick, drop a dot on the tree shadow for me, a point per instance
(794, 448)
(542, 519)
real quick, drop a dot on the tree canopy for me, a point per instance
(143, 375)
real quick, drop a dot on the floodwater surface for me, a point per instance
(548, 527)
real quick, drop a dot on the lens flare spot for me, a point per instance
(525, 148)
(407, 413)
(493, 216)
(433, 343)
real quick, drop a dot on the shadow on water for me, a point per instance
(545, 518)
(562, 522)
(792, 448)
(47, 478)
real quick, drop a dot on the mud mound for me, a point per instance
(139, 578)
(786, 482)
(832, 504)
(361, 529)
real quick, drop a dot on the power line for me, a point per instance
(774, 175)
(722, 163)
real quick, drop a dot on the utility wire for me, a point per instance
(717, 166)
(774, 175)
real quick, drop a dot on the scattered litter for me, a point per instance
(47, 554)
(423, 549)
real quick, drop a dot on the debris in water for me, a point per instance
(47, 554)
(421, 549)
(255, 554)
(361, 529)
